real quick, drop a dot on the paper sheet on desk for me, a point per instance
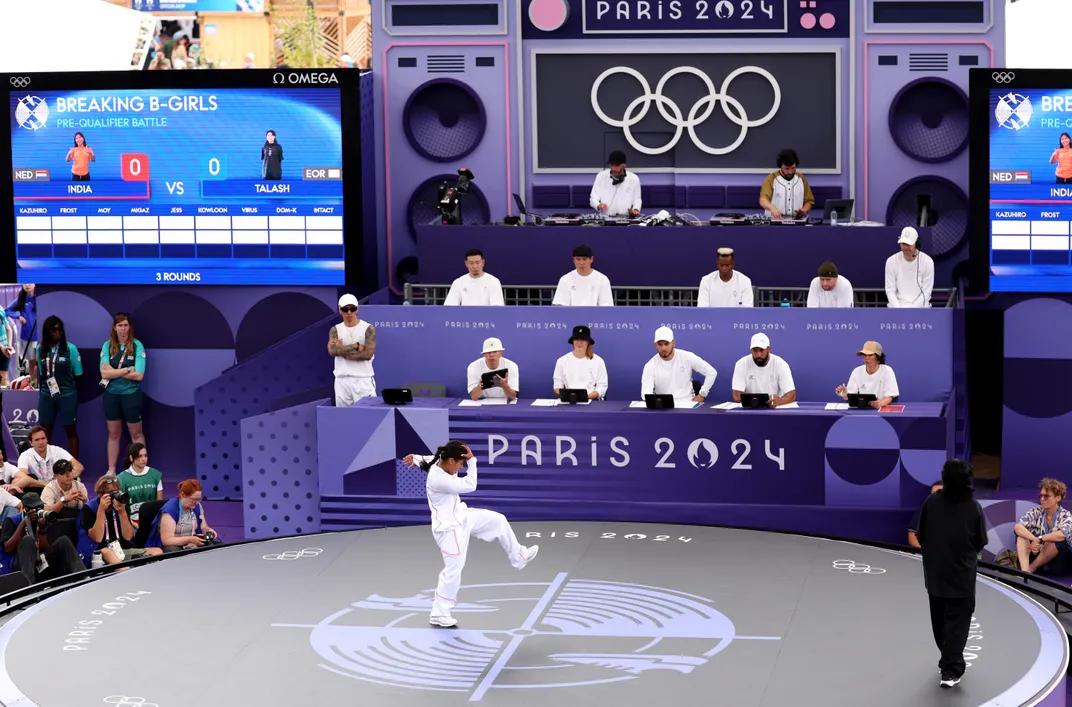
(837, 406)
(545, 402)
(638, 404)
(727, 406)
(470, 403)
(788, 406)
(495, 401)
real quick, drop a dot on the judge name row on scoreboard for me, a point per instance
(178, 237)
(93, 209)
(178, 223)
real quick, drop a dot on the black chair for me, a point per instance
(427, 390)
(696, 385)
(146, 517)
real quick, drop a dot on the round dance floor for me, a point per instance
(608, 614)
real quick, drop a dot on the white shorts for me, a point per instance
(29, 348)
(350, 389)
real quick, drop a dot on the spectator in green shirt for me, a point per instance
(58, 364)
(141, 481)
(122, 368)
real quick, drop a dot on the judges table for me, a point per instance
(636, 256)
(609, 451)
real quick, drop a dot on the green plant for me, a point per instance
(301, 41)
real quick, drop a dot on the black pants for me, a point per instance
(62, 559)
(951, 623)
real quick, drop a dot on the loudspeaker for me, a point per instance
(916, 140)
(446, 105)
(13, 581)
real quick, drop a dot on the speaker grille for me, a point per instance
(928, 62)
(949, 211)
(446, 64)
(423, 206)
(444, 120)
(929, 120)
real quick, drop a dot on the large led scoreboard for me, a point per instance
(1021, 179)
(222, 177)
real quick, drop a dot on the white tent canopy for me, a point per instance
(70, 35)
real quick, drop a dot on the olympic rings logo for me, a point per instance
(124, 701)
(291, 555)
(20, 81)
(857, 568)
(1003, 76)
(700, 111)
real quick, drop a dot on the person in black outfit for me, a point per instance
(271, 157)
(32, 540)
(952, 533)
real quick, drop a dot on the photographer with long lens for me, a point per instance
(107, 523)
(26, 537)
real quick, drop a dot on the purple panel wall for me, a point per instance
(295, 365)
(279, 479)
(1037, 393)
(191, 335)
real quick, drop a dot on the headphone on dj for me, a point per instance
(617, 180)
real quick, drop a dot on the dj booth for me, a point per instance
(654, 256)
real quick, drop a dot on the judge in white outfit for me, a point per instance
(670, 371)
(830, 289)
(583, 286)
(910, 273)
(725, 287)
(453, 523)
(477, 288)
(616, 191)
(763, 372)
(874, 377)
(353, 345)
(503, 386)
(581, 368)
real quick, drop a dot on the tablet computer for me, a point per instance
(861, 400)
(663, 401)
(397, 396)
(755, 401)
(487, 380)
(573, 395)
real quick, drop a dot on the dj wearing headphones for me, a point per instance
(910, 273)
(616, 191)
(785, 193)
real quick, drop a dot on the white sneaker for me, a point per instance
(443, 621)
(528, 554)
(948, 680)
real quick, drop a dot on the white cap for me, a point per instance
(492, 344)
(664, 333)
(347, 300)
(760, 341)
(909, 235)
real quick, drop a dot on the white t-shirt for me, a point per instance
(352, 335)
(773, 379)
(909, 283)
(9, 472)
(787, 196)
(674, 377)
(6, 499)
(840, 296)
(619, 198)
(883, 384)
(716, 293)
(576, 290)
(482, 291)
(443, 491)
(42, 468)
(583, 372)
(480, 367)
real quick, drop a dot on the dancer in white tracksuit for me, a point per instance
(453, 523)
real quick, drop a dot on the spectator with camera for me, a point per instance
(36, 463)
(26, 537)
(140, 482)
(181, 523)
(107, 523)
(64, 495)
(122, 369)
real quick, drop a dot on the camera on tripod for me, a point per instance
(450, 198)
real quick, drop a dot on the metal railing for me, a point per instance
(541, 295)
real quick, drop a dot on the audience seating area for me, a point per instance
(668, 196)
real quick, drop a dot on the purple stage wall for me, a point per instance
(191, 335)
(279, 479)
(1037, 395)
(820, 345)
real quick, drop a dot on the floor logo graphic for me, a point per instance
(576, 632)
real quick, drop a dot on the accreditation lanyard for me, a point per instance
(50, 361)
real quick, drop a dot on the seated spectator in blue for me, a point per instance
(106, 522)
(1043, 532)
(181, 523)
(140, 481)
(26, 537)
(64, 495)
(913, 525)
